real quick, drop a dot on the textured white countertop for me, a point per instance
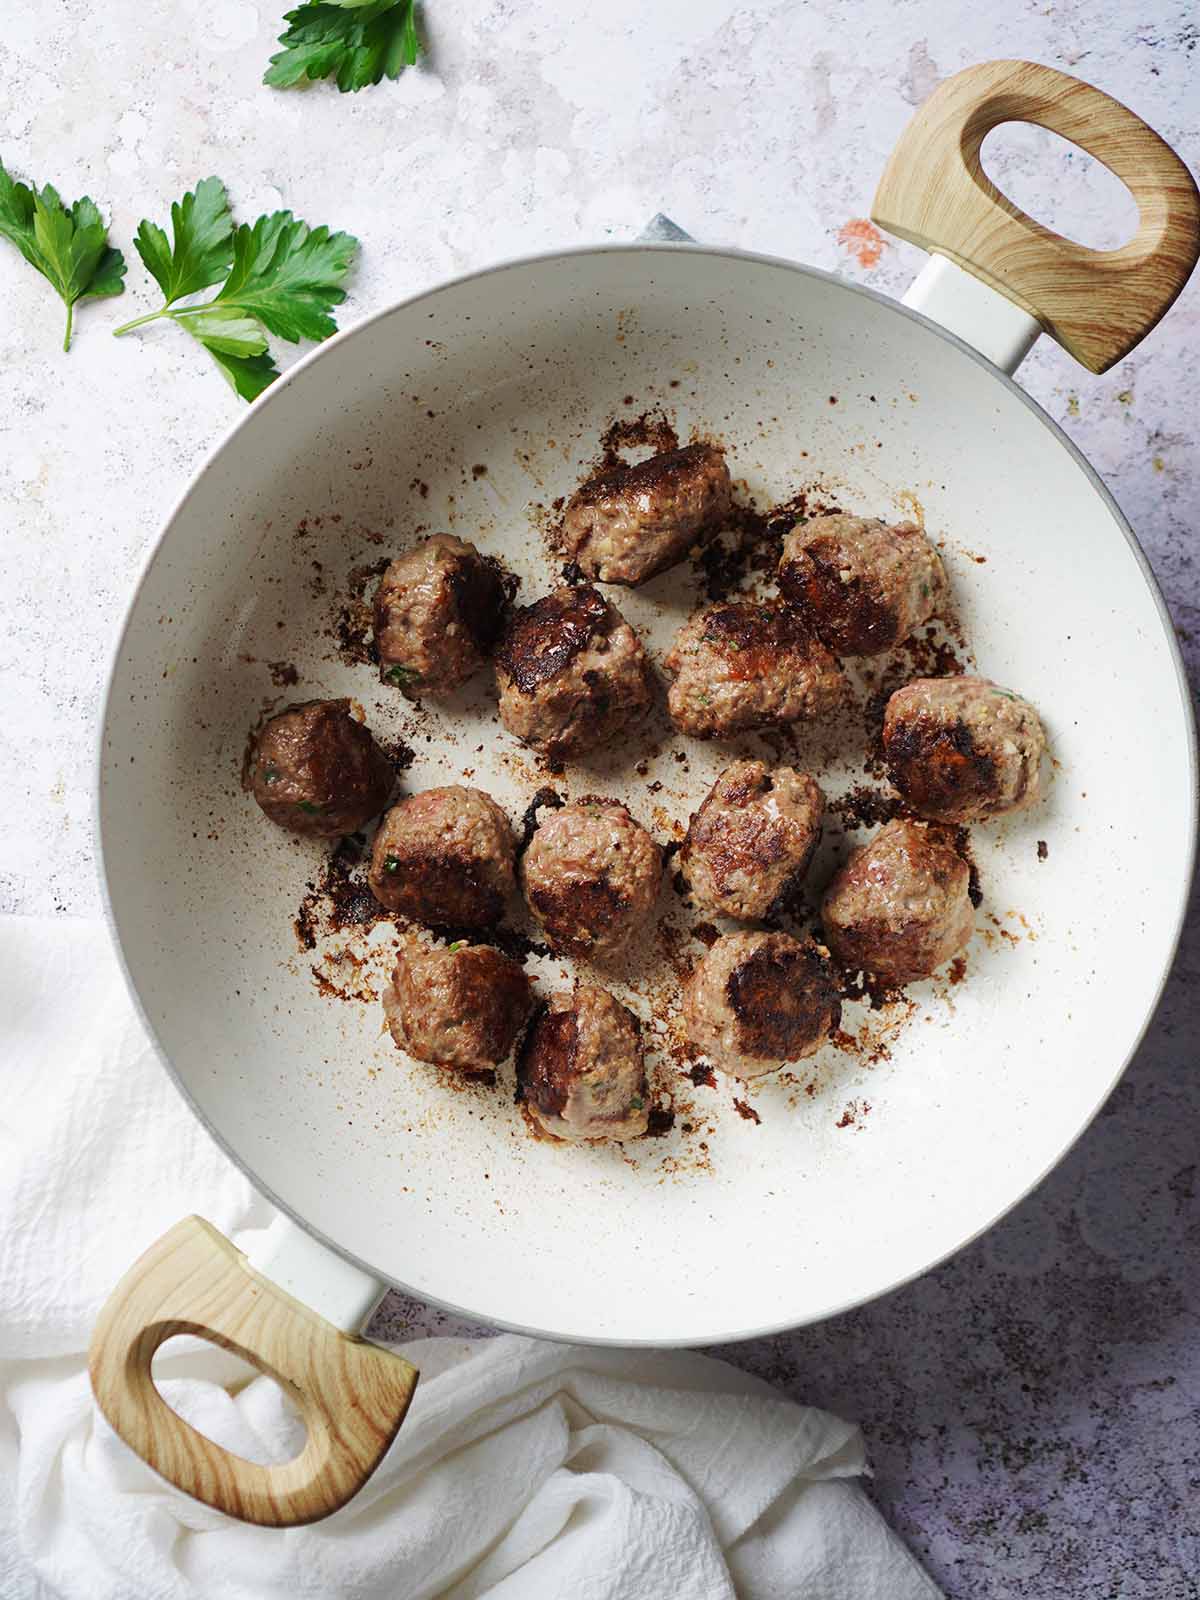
(1030, 1406)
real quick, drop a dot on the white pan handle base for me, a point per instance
(316, 1276)
(964, 305)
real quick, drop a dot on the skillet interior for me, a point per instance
(733, 1227)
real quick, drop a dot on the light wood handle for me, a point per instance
(352, 1395)
(1098, 304)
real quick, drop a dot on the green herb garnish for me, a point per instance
(401, 675)
(68, 245)
(309, 809)
(270, 775)
(391, 863)
(459, 944)
(636, 1103)
(358, 42)
(279, 276)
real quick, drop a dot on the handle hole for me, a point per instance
(1060, 185)
(228, 1400)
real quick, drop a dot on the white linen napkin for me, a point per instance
(525, 1470)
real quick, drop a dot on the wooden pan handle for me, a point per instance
(352, 1395)
(1098, 304)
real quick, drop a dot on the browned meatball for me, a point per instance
(580, 1069)
(445, 857)
(461, 1006)
(315, 770)
(757, 1000)
(750, 843)
(963, 749)
(861, 585)
(572, 673)
(438, 610)
(901, 905)
(632, 522)
(738, 665)
(591, 874)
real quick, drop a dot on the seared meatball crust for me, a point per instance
(901, 906)
(963, 749)
(572, 673)
(861, 585)
(438, 610)
(740, 665)
(629, 523)
(591, 874)
(445, 857)
(314, 770)
(750, 844)
(757, 1000)
(459, 1006)
(580, 1069)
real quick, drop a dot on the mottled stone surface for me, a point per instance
(1032, 1408)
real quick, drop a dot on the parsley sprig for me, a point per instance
(277, 276)
(68, 245)
(358, 42)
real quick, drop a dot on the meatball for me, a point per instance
(591, 874)
(750, 843)
(438, 611)
(444, 857)
(632, 522)
(963, 749)
(901, 905)
(739, 665)
(458, 1007)
(756, 1000)
(580, 1070)
(315, 770)
(572, 673)
(860, 584)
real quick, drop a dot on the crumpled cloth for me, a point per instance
(525, 1470)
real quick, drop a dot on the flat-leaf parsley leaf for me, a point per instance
(287, 274)
(67, 244)
(358, 42)
(202, 248)
(277, 276)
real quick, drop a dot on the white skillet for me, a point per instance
(734, 1228)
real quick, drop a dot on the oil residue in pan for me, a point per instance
(348, 940)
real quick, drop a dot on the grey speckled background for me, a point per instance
(1032, 1407)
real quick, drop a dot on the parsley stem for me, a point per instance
(70, 320)
(175, 313)
(151, 316)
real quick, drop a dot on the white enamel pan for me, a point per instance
(867, 1168)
